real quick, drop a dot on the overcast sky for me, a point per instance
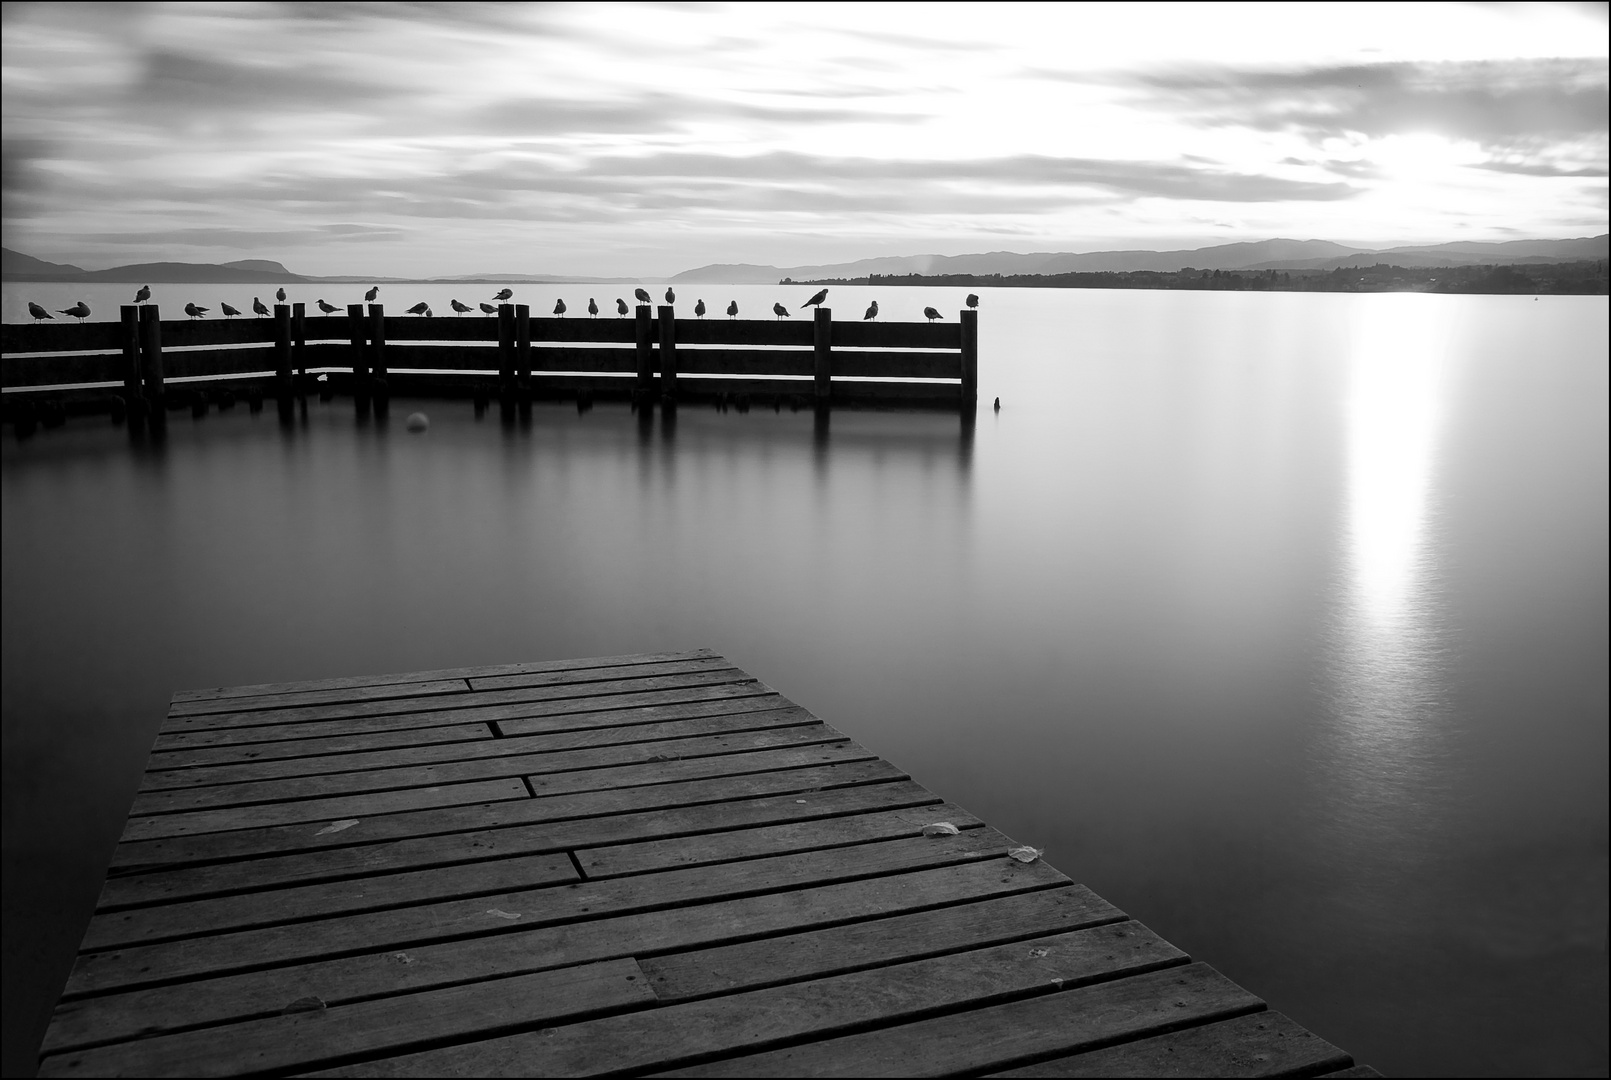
(465, 138)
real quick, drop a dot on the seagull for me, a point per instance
(429, 313)
(369, 297)
(143, 295)
(503, 294)
(280, 295)
(642, 295)
(816, 301)
(328, 309)
(460, 308)
(559, 308)
(732, 310)
(620, 307)
(419, 309)
(699, 309)
(973, 300)
(930, 314)
(79, 311)
(780, 311)
(195, 312)
(671, 297)
(40, 313)
(228, 311)
(592, 308)
(872, 311)
(259, 307)
(489, 309)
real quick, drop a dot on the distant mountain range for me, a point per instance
(1257, 255)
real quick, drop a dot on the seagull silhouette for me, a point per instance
(460, 308)
(79, 311)
(489, 309)
(592, 308)
(699, 309)
(930, 314)
(195, 312)
(643, 296)
(328, 309)
(369, 297)
(671, 297)
(279, 294)
(260, 307)
(503, 294)
(973, 300)
(419, 309)
(816, 301)
(872, 311)
(620, 307)
(40, 313)
(559, 308)
(780, 311)
(732, 310)
(229, 312)
(143, 295)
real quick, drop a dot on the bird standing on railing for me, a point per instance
(592, 308)
(229, 312)
(973, 300)
(732, 310)
(328, 309)
(620, 307)
(460, 308)
(40, 313)
(816, 300)
(419, 309)
(374, 291)
(260, 307)
(195, 312)
(143, 295)
(488, 308)
(671, 297)
(279, 295)
(643, 296)
(699, 309)
(503, 294)
(930, 314)
(780, 311)
(79, 311)
(872, 311)
(559, 308)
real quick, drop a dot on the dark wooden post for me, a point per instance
(523, 344)
(668, 352)
(822, 339)
(299, 338)
(645, 328)
(355, 321)
(130, 339)
(970, 360)
(151, 354)
(506, 345)
(282, 349)
(377, 340)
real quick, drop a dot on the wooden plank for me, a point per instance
(325, 1036)
(610, 674)
(635, 776)
(340, 807)
(693, 1030)
(791, 774)
(58, 337)
(1039, 896)
(490, 766)
(257, 689)
(414, 852)
(200, 362)
(179, 760)
(893, 335)
(143, 965)
(61, 369)
(641, 716)
(999, 1036)
(743, 332)
(319, 697)
(1259, 1044)
(1357, 1070)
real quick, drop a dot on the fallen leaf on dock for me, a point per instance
(306, 1004)
(337, 826)
(1026, 853)
(940, 828)
(502, 914)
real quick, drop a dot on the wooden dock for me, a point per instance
(635, 864)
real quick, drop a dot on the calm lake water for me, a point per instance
(1280, 620)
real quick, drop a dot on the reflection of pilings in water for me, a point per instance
(645, 413)
(819, 439)
(668, 421)
(965, 442)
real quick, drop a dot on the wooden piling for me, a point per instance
(299, 339)
(668, 352)
(151, 354)
(129, 339)
(970, 360)
(822, 340)
(506, 345)
(282, 349)
(523, 344)
(355, 320)
(377, 340)
(645, 343)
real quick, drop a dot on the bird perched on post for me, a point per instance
(279, 295)
(489, 309)
(559, 308)
(503, 294)
(973, 300)
(732, 310)
(460, 308)
(671, 297)
(195, 312)
(260, 307)
(872, 311)
(374, 291)
(229, 312)
(780, 311)
(79, 311)
(930, 314)
(816, 301)
(699, 309)
(642, 296)
(328, 309)
(420, 308)
(40, 313)
(620, 307)
(592, 308)
(143, 295)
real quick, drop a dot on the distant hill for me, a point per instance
(15, 266)
(1463, 253)
(20, 267)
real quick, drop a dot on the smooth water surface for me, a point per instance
(1280, 620)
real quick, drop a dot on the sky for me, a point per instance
(438, 139)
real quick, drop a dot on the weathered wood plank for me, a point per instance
(685, 1032)
(727, 705)
(579, 709)
(418, 852)
(58, 336)
(324, 1036)
(485, 767)
(1259, 1044)
(1038, 896)
(261, 689)
(515, 680)
(61, 370)
(319, 697)
(461, 750)
(1357, 1070)
(998, 1036)
(205, 757)
(792, 773)
(232, 818)
(199, 362)
(667, 772)
(222, 953)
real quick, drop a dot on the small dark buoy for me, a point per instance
(418, 422)
(998, 404)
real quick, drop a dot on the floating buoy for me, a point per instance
(418, 421)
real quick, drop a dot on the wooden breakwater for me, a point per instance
(654, 356)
